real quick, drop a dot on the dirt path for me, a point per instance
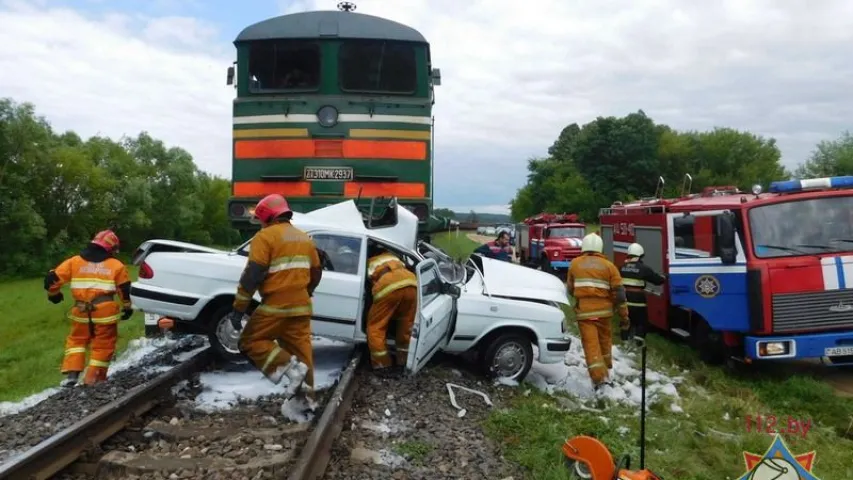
(841, 379)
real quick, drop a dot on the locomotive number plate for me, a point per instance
(336, 174)
(838, 351)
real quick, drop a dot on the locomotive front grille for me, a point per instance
(828, 310)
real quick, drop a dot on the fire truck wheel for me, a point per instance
(508, 355)
(708, 342)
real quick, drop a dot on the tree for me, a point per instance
(444, 212)
(829, 159)
(57, 190)
(611, 159)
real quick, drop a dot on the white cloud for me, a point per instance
(120, 74)
(514, 74)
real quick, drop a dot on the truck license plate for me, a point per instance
(338, 174)
(838, 351)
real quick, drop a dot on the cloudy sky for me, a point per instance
(514, 73)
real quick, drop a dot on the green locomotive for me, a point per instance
(332, 105)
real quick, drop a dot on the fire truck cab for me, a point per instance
(550, 241)
(750, 276)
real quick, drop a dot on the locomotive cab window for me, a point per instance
(377, 67)
(281, 65)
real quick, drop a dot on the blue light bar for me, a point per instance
(790, 186)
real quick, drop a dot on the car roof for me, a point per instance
(345, 217)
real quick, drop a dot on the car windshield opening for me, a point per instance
(283, 65)
(804, 227)
(377, 66)
(566, 232)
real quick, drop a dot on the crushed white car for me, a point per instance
(498, 309)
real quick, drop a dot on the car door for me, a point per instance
(433, 319)
(338, 297)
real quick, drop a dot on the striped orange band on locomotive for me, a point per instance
(307, 148)
(351, 189)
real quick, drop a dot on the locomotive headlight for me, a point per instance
(756, 189)
(328, 116)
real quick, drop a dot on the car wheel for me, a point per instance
(222, 336)
(508, 356)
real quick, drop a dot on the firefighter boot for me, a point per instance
(295, 372)
(70, 379)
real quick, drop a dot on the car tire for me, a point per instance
(512, 348)
(216, 329)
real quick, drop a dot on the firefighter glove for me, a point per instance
(625, 323)
(58, 298)
(127, 313)
(236, 319)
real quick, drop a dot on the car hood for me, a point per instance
(507, 279)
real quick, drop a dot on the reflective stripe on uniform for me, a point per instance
(379, 354)
(635, 304)
(595, 314)
(379, 261)
(90, 282)
(270, 357)
(290, 262)
(409, 282)
(73, 350)
(285, 312)
(633, 282)
(592, 283)
(100, 321)
(98, 363)
(242, 297)
(596, 365)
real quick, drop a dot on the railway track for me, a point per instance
(140, 436)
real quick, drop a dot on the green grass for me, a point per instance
(458, 247)
(415, 450)
(706, 441)
(32, 337)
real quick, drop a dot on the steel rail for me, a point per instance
(316, 453)
(61, 449)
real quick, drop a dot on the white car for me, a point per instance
(496, 308)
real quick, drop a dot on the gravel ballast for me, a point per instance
(408, 429)
(183, 438)
(23, 430)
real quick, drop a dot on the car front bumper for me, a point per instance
(553, 350)
(836, 347)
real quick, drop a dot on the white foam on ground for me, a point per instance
(572, 377)
(223, 389)
(137, 350)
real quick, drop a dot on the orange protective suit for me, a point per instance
(284, 267)
(94, 278)
(395, 294)
(596, 285)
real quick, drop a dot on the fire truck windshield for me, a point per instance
(566, 232)
(804, 227)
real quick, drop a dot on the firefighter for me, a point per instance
(95, 276)
(284, 266)
(395, 296)
(635, 274)
(499, 249)
(596, 285)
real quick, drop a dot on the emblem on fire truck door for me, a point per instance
(707, 286)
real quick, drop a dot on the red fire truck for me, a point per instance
(549, 241)
(750, 276)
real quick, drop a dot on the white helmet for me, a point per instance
(592, 243)
(635, 250)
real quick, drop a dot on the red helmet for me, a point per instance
(107, 239)
(271, 207)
